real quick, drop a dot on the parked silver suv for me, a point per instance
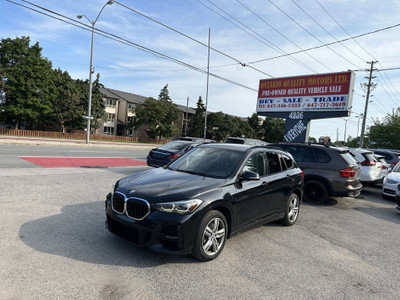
(328, 171)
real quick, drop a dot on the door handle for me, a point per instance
(264, 183)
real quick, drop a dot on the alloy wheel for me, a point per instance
(213, 236)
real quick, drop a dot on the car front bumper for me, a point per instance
(161, 232)
(390, 189)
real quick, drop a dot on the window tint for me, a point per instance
(216, 163)
(274, 165)
(256, 164)
(308, 156)
(300, 154)
(321, 156)
(175, 146)
(287, 163)
(348, 158)
(369, 156)
(385, 154)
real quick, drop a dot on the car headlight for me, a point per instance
(179, 207)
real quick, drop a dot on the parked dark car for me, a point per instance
(245, 141)
(390, 156)
(196, 139)
(193, 205)
(328, 171)
(162, 155)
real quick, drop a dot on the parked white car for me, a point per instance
(386, 167)
(370, 167)
(391, 183)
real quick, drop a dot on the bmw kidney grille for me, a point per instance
(134, 208)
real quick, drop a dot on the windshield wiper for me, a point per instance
(190, 172)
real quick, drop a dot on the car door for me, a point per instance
(257, 199)
(280, 182)
(249, 195)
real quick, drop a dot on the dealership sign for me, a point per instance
(312, 93)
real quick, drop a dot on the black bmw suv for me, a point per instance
(329, 171)
(194, 204)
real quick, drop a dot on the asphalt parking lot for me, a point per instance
(54, 246)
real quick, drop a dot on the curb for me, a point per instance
(80, 143)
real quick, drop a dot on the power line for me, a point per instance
(309, 32)
(389, 69)
(328, 44)
(353, 38)
(280, 33)
(377, 107)
(383, 84)
(126, 42)
(256, 35)
(191, 38)
(390, 86)
(323, 28)
(355, 42)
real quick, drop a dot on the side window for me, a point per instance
(300, 154)
(287, 163)
(256, 164)
(321, 156)
(308, 156)
(274, 166)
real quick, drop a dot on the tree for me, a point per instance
(67, 106)
(197, 124)
(312, 139)
(385, 133)
(254, 123)
(26, 81)
(353, 142)
(164, 95)
(273, 129)
(220, 126)
(216, 126)
(98, 109)
(159, 116)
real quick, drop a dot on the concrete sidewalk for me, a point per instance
(79, 143)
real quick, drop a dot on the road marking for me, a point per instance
(76, 162)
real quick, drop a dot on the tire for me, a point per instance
(315, 192)
(292, 210)
(211, 236)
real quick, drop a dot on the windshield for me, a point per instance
(349, 158)
(174, 146)
(396, 169)
(209, 162)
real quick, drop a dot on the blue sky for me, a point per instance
(241, 30)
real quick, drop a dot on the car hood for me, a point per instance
(394, 176)
(161, 184)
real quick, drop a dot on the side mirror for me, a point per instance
(249, 175)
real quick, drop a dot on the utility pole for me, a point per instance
(337, 134)
(186, 117)
(369, 86)
(208, 80)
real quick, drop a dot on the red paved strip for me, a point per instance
(76, 162)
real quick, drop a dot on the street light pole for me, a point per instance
(89, 110)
